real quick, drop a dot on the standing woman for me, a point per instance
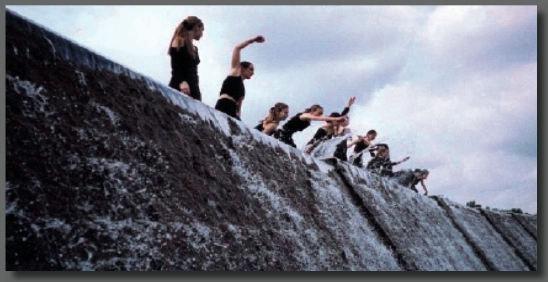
(184, 57)
(300, 122)
(277, 113)
(233, 90)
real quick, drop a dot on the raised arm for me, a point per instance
(347, 108)
(235, 63)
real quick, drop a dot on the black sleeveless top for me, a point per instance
(296, 124)
(185, 68)
(359, 147)
(260, 127)
(234, 87)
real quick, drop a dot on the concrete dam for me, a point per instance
(107, 169)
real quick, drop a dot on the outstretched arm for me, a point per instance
(402, 160)
(308, 116)
(354, 141)
(235, 63)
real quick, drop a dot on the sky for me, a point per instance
(453, 87)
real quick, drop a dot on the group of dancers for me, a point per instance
(184, 78)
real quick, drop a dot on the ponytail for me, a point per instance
(273, 112)
(182, 32)
(313, 108)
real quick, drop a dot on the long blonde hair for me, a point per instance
(182, 32)
(273, 112)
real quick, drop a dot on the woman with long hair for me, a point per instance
(185, 58)
(277, 113)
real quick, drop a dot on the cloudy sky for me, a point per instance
(454, 87)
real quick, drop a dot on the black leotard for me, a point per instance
(185, 68)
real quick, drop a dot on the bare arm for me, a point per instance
(270, 128)
(351, 101)
(235, 63)
(308, 116)
(402, 160)
(354, 141)
(424, 187)
(239, 104)
(347, 108)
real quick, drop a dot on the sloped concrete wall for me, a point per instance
(109, 170)
(484, 238)
(512, 231)
(528, 222)
(416, 226)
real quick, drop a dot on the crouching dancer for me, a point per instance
(382, 164)
(277, 113)
(410, 178)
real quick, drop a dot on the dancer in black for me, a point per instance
(381, 163)
(300, 122)
(323, 133)
(410, 178)
(277, 113)
(184, 57)
(361, 144)
(329, 130)
(233, 90)
(388, 168)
